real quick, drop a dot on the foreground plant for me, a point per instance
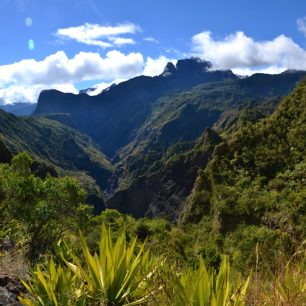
(116, 275)
(53, 285)
(201, 288)
(122, 273)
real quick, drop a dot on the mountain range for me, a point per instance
(145, 146)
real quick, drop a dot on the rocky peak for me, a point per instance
(190, 66)
(169, 70)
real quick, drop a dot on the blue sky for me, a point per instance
(70, 44)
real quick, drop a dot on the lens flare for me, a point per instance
(31, 44)
(28, 21)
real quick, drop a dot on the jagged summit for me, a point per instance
(192, 65)
(188, 66)
(169, 69)
(113, 116)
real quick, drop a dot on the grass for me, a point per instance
(283, 287)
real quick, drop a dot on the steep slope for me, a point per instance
(183, 116)
(238, 183)
(136, 122)
(111, 117)
(55, 144)
(163, 193)
(258, 176)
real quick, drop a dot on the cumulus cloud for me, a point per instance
(301, 23)
(120, 41)
(19, 93)
(99, 35)
(22, 81)
(152, 67)
(59, 69)
(151, 39)
(156, 66)
(241, 53)
(98, 88)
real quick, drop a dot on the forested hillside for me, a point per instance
(259, 169)
(56, 149)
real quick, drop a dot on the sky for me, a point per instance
(76, 44)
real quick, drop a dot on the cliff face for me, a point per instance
(218, 177)
(163, 194)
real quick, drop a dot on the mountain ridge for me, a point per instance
(144, 122)
(102, 116)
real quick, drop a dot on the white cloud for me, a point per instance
(99, 35)
(250, 71)
(151, 39)
(120, 41)
(59, 69)
(156, 66)
(301, 23)
(98, 88)
(18, 93)
(240, 52)
(22, 81)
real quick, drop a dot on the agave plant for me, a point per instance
(53, 286)
(201, 288)
(115, 275)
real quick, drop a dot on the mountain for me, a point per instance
(57, 146)
(164, 192)
(258, 174)
(255, 175)
(151, 126)
(111, 117)
(184, 115)
(19, 109)
(136, 121)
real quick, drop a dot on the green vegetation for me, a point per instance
(183, 116)
(119, 276)
(232, 207)
(56, 149)
(54, 286)
(198, 287)
(254, 186)
(53, 143)
(36, 212)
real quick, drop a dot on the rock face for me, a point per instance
(10, 288)
(111, 117)
(163, 193)
(114, 117)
